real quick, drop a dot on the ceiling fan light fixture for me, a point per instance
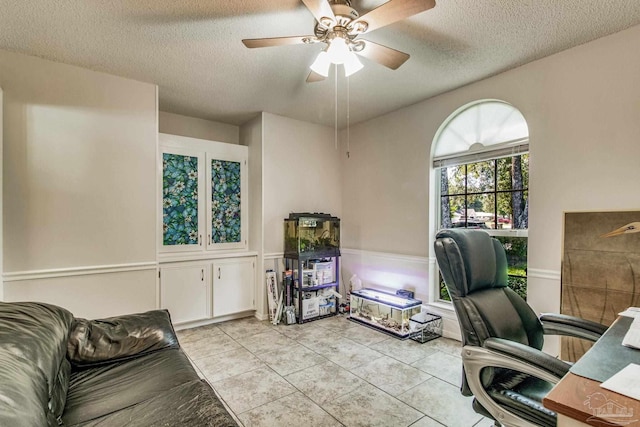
(352, 65)
(338, 50)
(322, 64)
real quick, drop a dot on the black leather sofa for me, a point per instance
(57, 370)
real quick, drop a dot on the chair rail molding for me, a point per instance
(538, 273)
(18, 276)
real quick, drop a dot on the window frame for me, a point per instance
(501, 150)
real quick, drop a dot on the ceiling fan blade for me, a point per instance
(384, 55)
(314, 77)
(392, 11)
(320, 9)
(277, 41)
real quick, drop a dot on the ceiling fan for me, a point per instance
(339, 26)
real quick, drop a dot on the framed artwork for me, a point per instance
(600, 269)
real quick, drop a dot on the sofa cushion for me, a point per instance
(38, 332)
(93, 342)
(23, 393)
(192, 404)
(101, 390)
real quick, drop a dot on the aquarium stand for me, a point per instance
(312, 255)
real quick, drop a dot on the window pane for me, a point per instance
(505, 211)
(504, 173)
(513, 173)
(480, 177)
(444, 293)
(516, 251)
(479, 212)
(455, 183)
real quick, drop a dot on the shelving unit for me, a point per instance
(312, 253)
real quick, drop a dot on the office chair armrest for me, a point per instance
(528, 355)
(562, 324)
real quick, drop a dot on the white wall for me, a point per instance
(1, 204)
(251, 136)
(582, 108)
(176, 124)
(301, 173)
(79, 187)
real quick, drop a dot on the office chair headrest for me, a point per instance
(482, 257)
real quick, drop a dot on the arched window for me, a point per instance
(481, 164)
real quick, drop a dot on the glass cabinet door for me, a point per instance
(226, 205)
(182, 203)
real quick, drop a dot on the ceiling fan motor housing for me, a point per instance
(344, 15)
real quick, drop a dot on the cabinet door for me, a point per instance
(186, 291)
(181, 198)
(233, 285)
(227, 207)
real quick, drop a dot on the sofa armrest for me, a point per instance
(93, 342)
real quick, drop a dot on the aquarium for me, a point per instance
(312, 234)
(388, 312)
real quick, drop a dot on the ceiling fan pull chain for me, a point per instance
(348, 118)
(336, 105)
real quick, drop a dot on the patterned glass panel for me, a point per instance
(179, 199)
(225, 201)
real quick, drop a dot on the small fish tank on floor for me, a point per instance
(312, 234)
(387, 312)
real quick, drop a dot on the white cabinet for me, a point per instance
(233, 285)
(203, 190)
(207, 289)
(185, 290)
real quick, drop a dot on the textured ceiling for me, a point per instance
(192, 49)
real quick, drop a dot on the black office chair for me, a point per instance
(504, 367)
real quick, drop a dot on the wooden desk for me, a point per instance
(577, 400)
(580, 401)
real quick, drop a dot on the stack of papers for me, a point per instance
(630, 312)
(626, 382)
(632, 337)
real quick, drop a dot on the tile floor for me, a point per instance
(330, 372)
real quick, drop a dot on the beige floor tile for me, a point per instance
(209, 345)
(345, 352)
(243, 328)
(252, 389)
(442, 365)
(291, 359)
(293, 410)
(228, 364)
(390, 375)
(485, 422)
(194, 334)
(443, 402)
(297, 330)
(406, 351)
(446, 345)
(371, 407)
(297, 375)
(426, 422)
(324, 382)
(336, 323)
(266, 341)
(364, 335)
